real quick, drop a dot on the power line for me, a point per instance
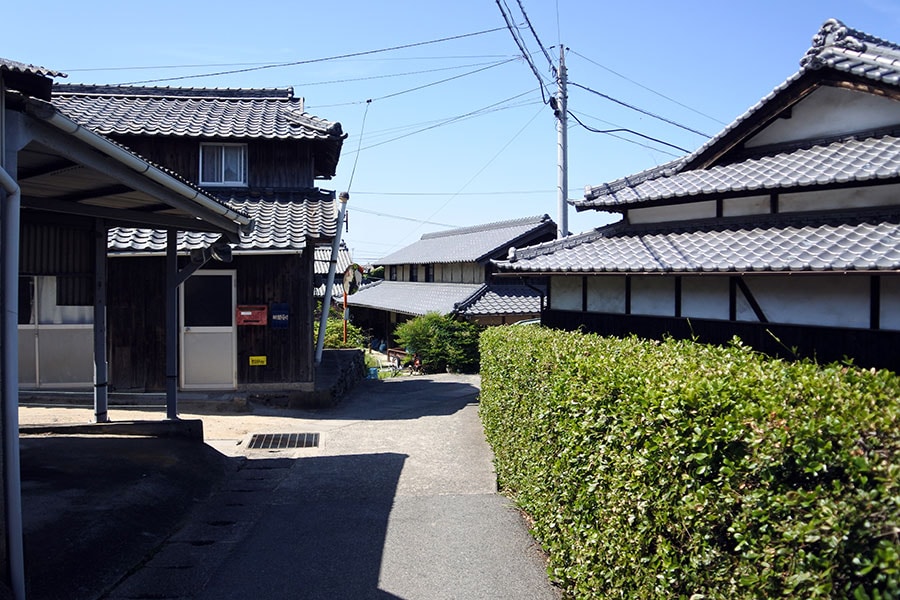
(502, 193)
(649, 89)
(428, 85)
(254, 64)
(640, 110)
(631, 131)
(317, 60)
(420, 87)
(480, 171)
(521, 45)
(536, 38)
(481, 111)
(400, 217)
(390, 75)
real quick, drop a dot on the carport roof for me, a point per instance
(67, 168)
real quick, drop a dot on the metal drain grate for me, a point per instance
(281, 441)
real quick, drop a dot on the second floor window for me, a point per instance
(223, 164)
(393, 273)
(413, 272)
(429, 273)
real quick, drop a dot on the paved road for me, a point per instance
(398, 502)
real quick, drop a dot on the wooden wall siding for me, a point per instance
(55, 249)
(270, 163)
(276, 279)
(136, 314)
(867, 348)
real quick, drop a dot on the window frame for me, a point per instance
(223, 182)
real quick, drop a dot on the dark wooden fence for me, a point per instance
(865, 347)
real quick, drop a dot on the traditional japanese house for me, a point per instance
(450, 272)
(783, 229)
(248, 323)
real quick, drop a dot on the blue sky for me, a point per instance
(482, 145)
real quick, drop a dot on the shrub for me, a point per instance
(334, 333)
(679, 470)
(441, 341)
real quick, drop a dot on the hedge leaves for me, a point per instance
(679, 470)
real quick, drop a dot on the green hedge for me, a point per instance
(680, 470)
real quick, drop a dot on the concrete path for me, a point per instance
(398, 501)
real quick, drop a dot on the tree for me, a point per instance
(442, 342)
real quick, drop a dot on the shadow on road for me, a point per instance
(322, 536)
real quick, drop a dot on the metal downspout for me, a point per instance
(10, 383)
(329, 285)
(101, 364)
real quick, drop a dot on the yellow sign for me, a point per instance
(257, 361)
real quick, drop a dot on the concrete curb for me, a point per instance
(186, 429)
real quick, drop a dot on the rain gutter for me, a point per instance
(52, 116)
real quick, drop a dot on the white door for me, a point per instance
(208, 333)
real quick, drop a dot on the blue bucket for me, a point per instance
(373, 372)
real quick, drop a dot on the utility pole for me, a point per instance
(562, 134)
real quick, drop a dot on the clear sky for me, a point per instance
(457, 132)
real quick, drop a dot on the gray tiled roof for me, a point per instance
(470, 244)
(283, 221)
(321, 264)
(863, 246)
(414, 298)
(504, 300)
(18, 67)
(835, 47)
(838, 162)
(193, 112)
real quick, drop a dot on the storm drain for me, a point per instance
(283, 441)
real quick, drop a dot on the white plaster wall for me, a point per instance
(678, 212)
(606, 294)
(565, 293)
(890, 302)
(813, 299)
(704, 297)
(830, 111)
(471, 273)
(753, 205)
(863, 197)
(653, 295)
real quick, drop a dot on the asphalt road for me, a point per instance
(398, 500)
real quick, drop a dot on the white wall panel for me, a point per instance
(704, 297)
(677, 212)
(606, 294)
(801, 299)
(565, 293)
(653, 295)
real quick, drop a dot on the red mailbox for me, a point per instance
(252, 314)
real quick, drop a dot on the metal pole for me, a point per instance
(101, 367)
(332, 267)
(562, 147)
(9, 403)
(172, 324)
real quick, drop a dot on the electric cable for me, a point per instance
(318, 60)
(390, 75)
(479, 172)
(631, 131)
(522, 49)
(361, 130)
(649, 89)
(536, 38)
(640, 110)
